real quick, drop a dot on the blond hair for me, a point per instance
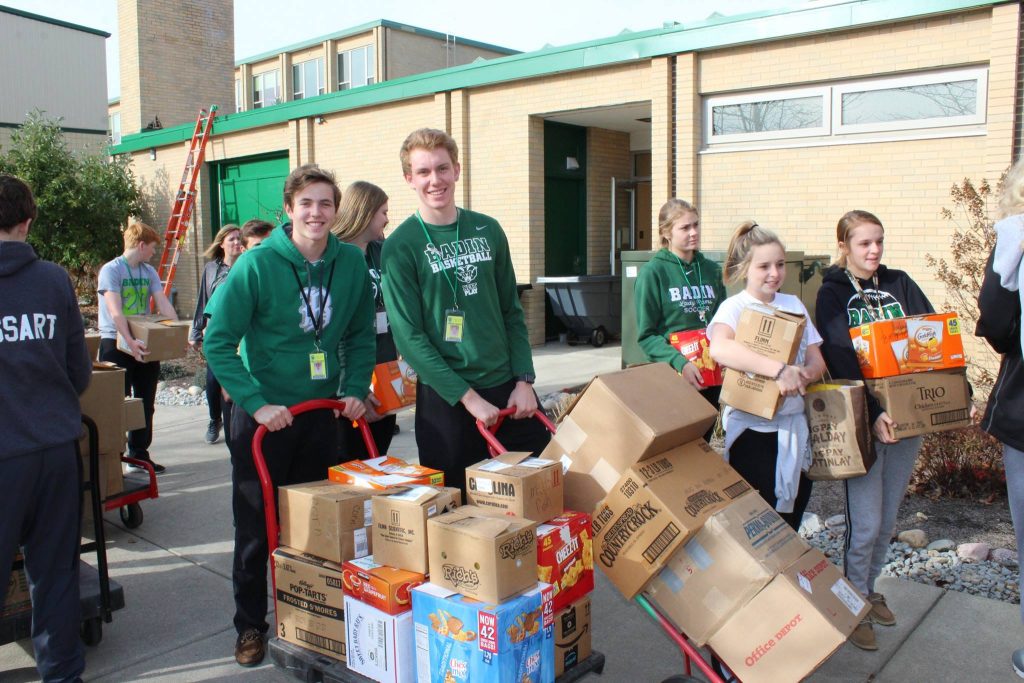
(1011, 198)
(670, 212)
(741, 249)
(359, 203)
(216, 248)
(136, 232)
(846, 224)
(428, 139)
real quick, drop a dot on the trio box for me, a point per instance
(516, 484)
(924, 402)
(461, 639)
(656, 505)
(394, 385)
(400, 523)
(772, 333)
(327, 520)
(382, 587)
(379, 645)
(696, 348)
(482, 554)
(565, 556)
(737, 552)
(899, 346)
(573, 636)
(165, 339)
(384, 472)
(622, 418)
(793, 625)
(310, 602)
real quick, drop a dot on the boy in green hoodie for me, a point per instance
(300, 303)
(450, 292)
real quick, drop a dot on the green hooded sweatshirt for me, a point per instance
(261, 303)
(669, 296)
(473, 273)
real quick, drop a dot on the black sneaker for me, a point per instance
(132, 467)
(213, 431)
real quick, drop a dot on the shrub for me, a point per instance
(960, 463)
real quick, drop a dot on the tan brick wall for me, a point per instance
(607, 157)
(413, 53)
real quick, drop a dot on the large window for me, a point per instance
(266, 89)
(941, 99)
(356, 67)
(308, 78)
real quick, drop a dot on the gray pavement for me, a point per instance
(176, 574)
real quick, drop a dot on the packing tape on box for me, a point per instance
(605, 474)
(570, 435)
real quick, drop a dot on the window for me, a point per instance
(308, 78)
(114, 128)
(940, 99)
(356, 68)
(239, 103)
(265, 89)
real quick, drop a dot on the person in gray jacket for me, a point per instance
(45, 366)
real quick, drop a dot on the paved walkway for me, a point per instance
(176, 574)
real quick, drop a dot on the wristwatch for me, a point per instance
(527, 377)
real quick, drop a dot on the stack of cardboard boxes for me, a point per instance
(674, 521)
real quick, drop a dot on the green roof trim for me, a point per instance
(50, 20)
(714, 33)
(369, 26)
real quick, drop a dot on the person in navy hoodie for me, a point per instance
(45, 366)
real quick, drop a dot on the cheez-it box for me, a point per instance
(696, 348)
(565, 556)
(901, 346)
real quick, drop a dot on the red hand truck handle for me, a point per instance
(493, 445)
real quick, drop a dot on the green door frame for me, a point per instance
(216, 178)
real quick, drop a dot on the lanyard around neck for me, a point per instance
(872, 313)
(140, 293)
(316, 320)
(430, 242)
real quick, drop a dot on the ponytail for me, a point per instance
(747, 236)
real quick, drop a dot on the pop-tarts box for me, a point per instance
(461, 639)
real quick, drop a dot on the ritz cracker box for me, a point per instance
(696, 348)
(309, 602)
(565, 556)
(516, 484)
(327, 520)
(460, 639)
(900, 346)
(400, 517)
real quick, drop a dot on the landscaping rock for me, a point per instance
(915, 538)
(941, 545)
(835, 521)
(810, 524)
(973, 552)
(1004, 556)
(194, 390)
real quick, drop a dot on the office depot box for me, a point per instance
(572, 635)
(734, 555)
(772, 333)
(696, 348)
(310, 603)
(925, 402)
(900, 346)
(461, 639)
(565, 556)
(380, 586)
(134, 414)
(165, 339)
(400, 523)
(655, 506)
(326, 519)
(516, 484)
(379, 645)
(16, 598)
(619, 419)
(92, 344)
(482, 554)
(384, 472)
(793, 625)
(394, 385)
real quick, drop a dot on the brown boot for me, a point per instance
(864, 636)
(250, 648)
(880, 613)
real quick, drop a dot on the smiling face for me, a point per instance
(863, 249)
(684, 236)
(433, 174)
(767, 271)
(311, 215)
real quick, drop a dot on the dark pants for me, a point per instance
(140, 381)
(294, 455)
(40, 503)
(753, 455)
(711, 394)
(448, 440)
(213, 397)
(350, 439)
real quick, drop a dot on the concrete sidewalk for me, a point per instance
(176, 573)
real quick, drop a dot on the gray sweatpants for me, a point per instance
(1013, 463)
(872, 504)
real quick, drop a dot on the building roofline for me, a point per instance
(369, 26)
(714, 33)
(50, 20)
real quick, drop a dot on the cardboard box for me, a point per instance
(134, 414)
(102, 401)
(309, 600)
(16, 598)
(482, 554)
(384, 472)
(327, 520)
(165, 339)
(655, 506)
(380, 586)
(516, 484)
(737, 552)
(460, 639)
(695, 347)
(92, 344)
(793, 625)
(925, 402)
(622, 418)
(565, 556)
(394, 385)
(772, 333)
(378, 645)
(400, 523)
(572, 635)
(919, 343)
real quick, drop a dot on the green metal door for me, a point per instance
(250, 188)
(565, 208)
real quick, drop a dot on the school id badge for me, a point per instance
(318, 365)
(454, 325)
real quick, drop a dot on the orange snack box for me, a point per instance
(380, 586)
(394, 385)
(384, 472)
(565, 556)
(901, 346)
(694, 345)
